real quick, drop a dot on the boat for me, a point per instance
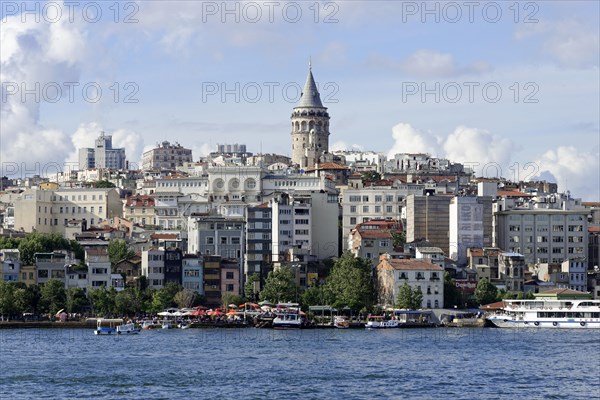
(149, 324)
(166, 324)
(341, 322)
(183, 325)
(379, 322)
(577, 314)
(107, 326)
(128, 329)
(287, 316)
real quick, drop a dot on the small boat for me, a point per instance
(127, 329)
(287, 316)
(106, 326)
(183, 325)
(341, 322)
(166, 324)
(149, 324)
(576, 314)
(379, 322)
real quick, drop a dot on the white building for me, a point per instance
(393, 273)
(166, 156)
(470, 225)
(153, 268)
(291, 229)
(103, 155)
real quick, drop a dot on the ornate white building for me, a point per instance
(310, 126)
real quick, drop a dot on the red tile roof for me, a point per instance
(327, 166)
(512, 193)
(156, 236)
(413, 265)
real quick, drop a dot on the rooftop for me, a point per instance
(413, 265)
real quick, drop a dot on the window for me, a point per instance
(210, 240)
(389, 198)
(229, 287)
(354, 199)
(365, 198)
(365, 209)
(235, 240)
(353, 221)
(223, 239)
(384, 243)
(352, 209)
(229, 275)
(378, 198)
(389, 209)
(378, 209)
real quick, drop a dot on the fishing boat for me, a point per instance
(544, 313)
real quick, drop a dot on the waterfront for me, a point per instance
(257, 364)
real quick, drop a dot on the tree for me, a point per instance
(398, 238)
(313, 296)
(104, 184)
(452, 296)
(118, 250)
(7, 301)
(103, 300)
(485, 292)
(280, 286)
(185, 298)
(249, 287)
(36, 242)
(75, 300)
(370, 176)
(53, 296)
(164, 297)
(409, 298)
(350, 283)
(230, 298)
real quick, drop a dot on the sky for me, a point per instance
(511, 89)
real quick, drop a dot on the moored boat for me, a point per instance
(341, 322)
(128, 329)
(380, 322)
(287, 316)
(543, 313)
(107, 326)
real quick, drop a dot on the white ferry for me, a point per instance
(380, 322)
(580, 314)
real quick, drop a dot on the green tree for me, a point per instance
(164, 297)
(104, 184)
(313, 296)
(102, 300)
(75, 300)
(118, 250)
(350, 283)
(280, 286)
(485, 292)
(185, 298)
(36, 242)
(249, 287)
(7, 300)
(370, 176)
(230, 298)
(53, 296)
(398, 238)
(409, 298)
(452, 296)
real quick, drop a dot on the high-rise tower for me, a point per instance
(310, 126)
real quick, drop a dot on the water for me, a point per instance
(310, 364)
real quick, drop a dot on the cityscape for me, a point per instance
(332, 168)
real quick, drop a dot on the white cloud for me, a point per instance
(480, 147)
(570, 42)
(408, 139)
(426, 64)
(574, 170)
(340, 145)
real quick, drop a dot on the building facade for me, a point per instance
(103, 155)
(166, 156)
(470, 225)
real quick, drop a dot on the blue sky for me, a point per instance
(369, 55)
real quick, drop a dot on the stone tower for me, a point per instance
(310, 126)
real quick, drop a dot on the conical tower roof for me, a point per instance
(310, 95)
